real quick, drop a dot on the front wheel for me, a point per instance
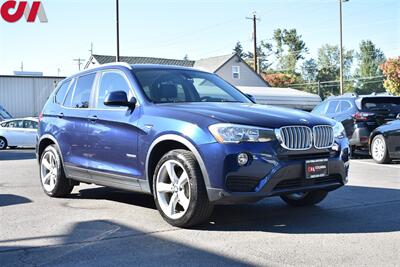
(305, 198)
(179, 190)
(52, 176)
(3, 143)
(379, 150)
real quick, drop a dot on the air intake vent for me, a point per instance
(323, 136)
(296, 137)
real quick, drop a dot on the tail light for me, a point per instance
(363, 116)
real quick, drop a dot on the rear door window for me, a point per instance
(81, 96)
(30, 124)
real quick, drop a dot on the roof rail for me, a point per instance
(122, 64)
(350, 94)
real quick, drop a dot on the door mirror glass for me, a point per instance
(119, 99)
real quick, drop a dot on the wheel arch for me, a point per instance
(167, 143)
(44, 142)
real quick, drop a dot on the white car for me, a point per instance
(18, 133)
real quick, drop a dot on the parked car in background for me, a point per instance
(360, 115)
(4, 114)
(186, 136)
(385, 142)
(18, 133)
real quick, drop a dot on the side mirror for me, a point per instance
(398, 117)
(119, 99)
(252, 98)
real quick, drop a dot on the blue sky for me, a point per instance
(200, 29)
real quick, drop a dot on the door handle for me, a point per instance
(60, 115)
(93, 118)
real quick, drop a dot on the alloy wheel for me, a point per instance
(49, 170)
(378, 149)
(173, 189)
(2, 144)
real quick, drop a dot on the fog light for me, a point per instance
(242, 159)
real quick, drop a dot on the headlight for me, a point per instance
(233, 133)
(338, 130)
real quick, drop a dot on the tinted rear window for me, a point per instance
(381, 103)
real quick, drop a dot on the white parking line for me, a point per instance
(376, 164)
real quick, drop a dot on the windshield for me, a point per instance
(172, 86)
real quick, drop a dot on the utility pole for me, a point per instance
(22, 66)
(341, 44)
(255, 19)
(117, 22)
(79, 62)
(319, 88)
(58, 72)
(91, 49)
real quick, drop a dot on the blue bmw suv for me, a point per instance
(187, 137)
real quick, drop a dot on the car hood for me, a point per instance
(250, 114)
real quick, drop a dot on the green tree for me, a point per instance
(263, 53)
(328, 63)
(289, 48)
(369, 59)
(239, 50)
(309, 70)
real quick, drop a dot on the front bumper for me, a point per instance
(272, 171)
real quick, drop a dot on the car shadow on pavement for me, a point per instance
(352, 209)
(106, 243)
(10, 200)
(17, 154)
(107, 193)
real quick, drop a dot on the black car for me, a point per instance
(385, 142)
(360, 115)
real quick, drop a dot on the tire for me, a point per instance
(3, 143)
(52, 176)
(379, 150)
(305, 199)
(184, 201)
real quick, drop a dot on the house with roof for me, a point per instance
(234, 70)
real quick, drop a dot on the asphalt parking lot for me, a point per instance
(357, 225)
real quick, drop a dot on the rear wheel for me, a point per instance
(3, 143)
(52, 176)
(179, 190)
(379, 150)
(305, 198)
